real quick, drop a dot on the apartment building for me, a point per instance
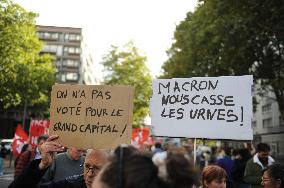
(73, 61)
(268, 126)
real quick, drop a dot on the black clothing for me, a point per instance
(32, 175)
(238, 170)
(3, 152)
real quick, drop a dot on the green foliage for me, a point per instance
(126, 67)
(24, 73)
(232, 38)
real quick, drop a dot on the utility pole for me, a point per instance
(25, 112)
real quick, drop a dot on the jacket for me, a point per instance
(23, 161)
(253, 171)
(32, 175)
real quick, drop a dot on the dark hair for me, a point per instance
(126, 150)
(276, 172)
(180, 171)
(42, 137)
(211, 173)
(244, 153)
(136, 169)
(24, 148)
(228, 151)
(158, 145)
(262, 147)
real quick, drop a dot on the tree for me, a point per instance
(126, 67)
(232, 38)
(26, 77)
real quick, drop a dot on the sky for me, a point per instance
(150, 24)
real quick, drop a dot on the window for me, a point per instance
(267, 123)
(48, 35)
(63, 78)
(74, 37)
(71, 76)
(58, 63)
(266, 108)
(71, 63)
(254, 124)
(50, 48)
(54, 36)
(59, 50)
(72, 50)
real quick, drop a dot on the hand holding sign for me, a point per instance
(48, 151)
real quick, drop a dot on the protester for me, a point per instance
(3, 153)
(213, 156)
(136, 169)
(158, 148)
(242, 156)
(226, 163)
(65, 164)
(256, 164)
(32, 175)
(213, 176)
(273, 176)
(26, 147)
(189, 153)
(28, 156)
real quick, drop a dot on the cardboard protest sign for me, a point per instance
(38, 127)
(203, 107)
(91, 116)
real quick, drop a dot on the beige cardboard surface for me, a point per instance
(91, 116)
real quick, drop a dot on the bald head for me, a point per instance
(94, 161)
(100, 156)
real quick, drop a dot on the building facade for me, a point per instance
(73, 61)
(268, 126)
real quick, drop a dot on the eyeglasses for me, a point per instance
(93, 169)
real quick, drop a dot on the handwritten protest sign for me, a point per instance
(203, 107)
(91, 116)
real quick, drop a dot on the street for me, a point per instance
(8, 176)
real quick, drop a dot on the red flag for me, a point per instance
(37, 128)
(140, 136)
(19, 140)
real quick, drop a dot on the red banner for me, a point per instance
(37, 128)
(141, 136)
(19, 140)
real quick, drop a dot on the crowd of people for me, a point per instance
(50, 165)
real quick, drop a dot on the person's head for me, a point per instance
(243, 154)
(158, 145)
(273, 176)
(213, 176)
(180, 171)
(26, 147)
(263, 150)
(41, 139)
(136, 169)
(75, 153)
(228, 151)
(94, 161)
